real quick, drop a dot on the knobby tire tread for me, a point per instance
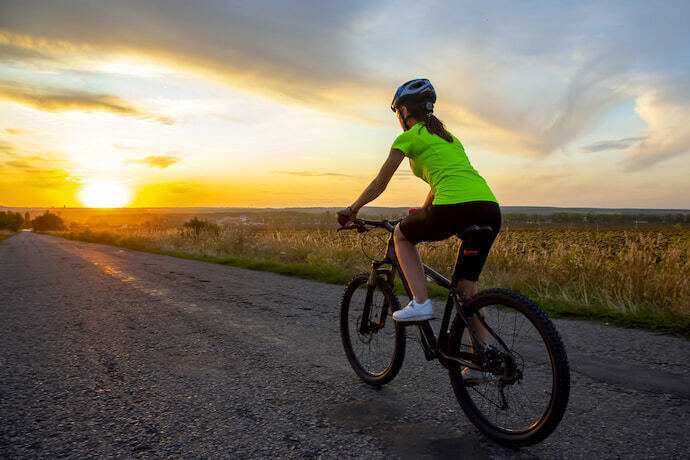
(399, 350)
(557, 352)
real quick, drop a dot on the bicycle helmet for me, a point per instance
(420, 87)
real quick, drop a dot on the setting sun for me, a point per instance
(105, 195)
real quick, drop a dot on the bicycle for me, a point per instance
(527, 383)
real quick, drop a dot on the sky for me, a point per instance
(286, 103)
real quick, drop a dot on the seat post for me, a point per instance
(455, 279)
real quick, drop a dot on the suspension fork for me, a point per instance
(365, 325)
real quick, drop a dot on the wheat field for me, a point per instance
(621, 271)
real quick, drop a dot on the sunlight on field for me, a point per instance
(105, 194)
(626, 272)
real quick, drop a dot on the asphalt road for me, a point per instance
(106, 351)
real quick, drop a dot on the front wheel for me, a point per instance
(375, 345)
(523, 392)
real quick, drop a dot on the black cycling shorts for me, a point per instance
(438, 222)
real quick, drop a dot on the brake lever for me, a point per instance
(359, 228)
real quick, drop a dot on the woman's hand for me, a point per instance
(346, 215)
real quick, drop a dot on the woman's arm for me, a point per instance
(429, 199)
(378, 185)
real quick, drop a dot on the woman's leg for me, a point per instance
(469, 288)
(411, 265)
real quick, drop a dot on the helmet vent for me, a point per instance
(418, 87)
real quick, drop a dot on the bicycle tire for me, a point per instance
(546, 383)
(393, 333)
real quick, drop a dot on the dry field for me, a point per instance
(4, 234)
(632, 272)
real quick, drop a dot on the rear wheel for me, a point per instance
(525, 392)
(375, 349)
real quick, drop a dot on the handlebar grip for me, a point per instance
(345, 215)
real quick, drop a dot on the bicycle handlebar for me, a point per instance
(361, 224)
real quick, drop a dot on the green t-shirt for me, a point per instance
(444, 166)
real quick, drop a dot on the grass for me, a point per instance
(4, 234)
(621, 277)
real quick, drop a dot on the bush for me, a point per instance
(48, 221)
(11, 221)
(196, 226)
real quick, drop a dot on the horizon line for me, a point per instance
(686, 210)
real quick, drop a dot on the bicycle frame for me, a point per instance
(434, 347)
(499, 414)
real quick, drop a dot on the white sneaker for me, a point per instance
(415, 311)
(474, 377)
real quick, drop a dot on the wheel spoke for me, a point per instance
(377, 354)
(519, 395)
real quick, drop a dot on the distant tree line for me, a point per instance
(595, 218)
(294, 220)
(11, 221)
(14, 221)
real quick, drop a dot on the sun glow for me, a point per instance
(105, 195)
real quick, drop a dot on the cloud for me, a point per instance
(157, 161)
(36, 170)
(665, 107)
(525, 81)
(526, 105)
(618, 144)
(20, 55)
(124, 147)
(18, 164)
(7, 149)
(312, 174)
(51, 99)
(17, 131)
(255, 44)
(28, 161)
(182, 188)
(77, 175)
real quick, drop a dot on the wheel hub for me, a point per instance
(507, 367)
(364, 338)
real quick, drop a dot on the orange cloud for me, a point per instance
(50, 99)
(324, 78)
(312, 174)
(28, 173)
(17, 131)
(7, 149)
(157, 161)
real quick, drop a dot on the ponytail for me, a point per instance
(423, 110)
(435, 126)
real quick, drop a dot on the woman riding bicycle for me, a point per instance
(459, 196)
(515, 378)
